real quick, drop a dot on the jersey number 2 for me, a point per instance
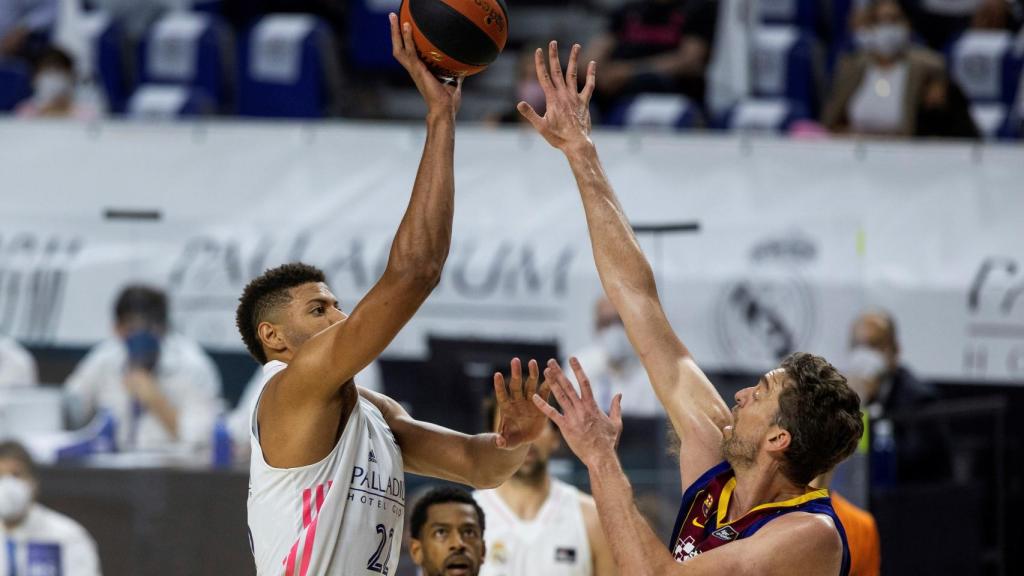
(386, 540)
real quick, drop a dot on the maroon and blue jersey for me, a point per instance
(701, 524)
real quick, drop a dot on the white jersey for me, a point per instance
(342, 516)
(554, 543)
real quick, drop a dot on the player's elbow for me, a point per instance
(483, 480)
(417, 275)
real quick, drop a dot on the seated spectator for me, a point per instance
(998, 15)
(24, 25)
(654, 46)
(887, 388)
(883, 87)
(54, 93)
(613, 366)
(17, 366)
(39, 540)
(160, 387)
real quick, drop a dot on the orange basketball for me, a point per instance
(457, 37)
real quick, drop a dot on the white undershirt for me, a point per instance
(877, 105)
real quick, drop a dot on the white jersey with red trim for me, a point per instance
(342, 516)
(554, 543)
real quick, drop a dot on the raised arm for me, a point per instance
(798, 543)
(418, 253)
(695, 408)
(482, 460)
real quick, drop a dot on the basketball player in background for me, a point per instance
(327, 473)
(539, 524)
(747, 506)
(447, 533)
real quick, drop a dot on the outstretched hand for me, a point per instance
(589, 432)
(440, 97)
(566, 120)
(519, 422)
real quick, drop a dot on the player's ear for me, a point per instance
(778, 439)
(416, 551)
(271, 337)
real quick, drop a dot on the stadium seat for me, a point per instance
(15, 83)
(164, 102)
(288, 68)
(369, 44)
(107, 44)
(786, 66)
(996, 121)
(984, 64)
(665, 111)
(799, 13)
(189, 49)
(764, 116)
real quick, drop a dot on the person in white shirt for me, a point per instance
(447, 533)
(17, 366)
(327, 473)
(161, 388)
(36, 539)
(539, 524)
(616, 369)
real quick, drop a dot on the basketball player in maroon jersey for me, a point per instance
(747, 507)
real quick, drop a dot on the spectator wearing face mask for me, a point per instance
(54, 93)
(881, 88)
(36, 539)
(614, 367)
(888, 388)
(161, 388)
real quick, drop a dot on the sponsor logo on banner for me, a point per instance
(994, 339)
(772, 313)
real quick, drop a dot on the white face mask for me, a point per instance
(15, 497)
(50, 85)
(865, 363)
(615, 343)
(887, 40)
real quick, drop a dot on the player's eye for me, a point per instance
(318, 310)
(440, 532)
(470, 534)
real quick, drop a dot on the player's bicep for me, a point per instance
(331, 358)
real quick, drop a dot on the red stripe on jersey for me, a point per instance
(307, 516)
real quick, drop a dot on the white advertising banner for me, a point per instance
(793, 239)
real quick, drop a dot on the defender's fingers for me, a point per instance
(534, 377)
(530, 114)
(556, 66)
(516, 384)
(570, 72)
(588, 87)
(500, 392)
(581, 378)
(548, 411)
(543, 76)
(558, 388)
(616, 410)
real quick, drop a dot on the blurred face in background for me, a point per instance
(535, 466)
(874, 354)
(451, 542)
(17, 490)
(884, 31)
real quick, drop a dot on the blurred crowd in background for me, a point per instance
(911, 68)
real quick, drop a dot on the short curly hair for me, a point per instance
(821, 414)
(267, 293)
(442, 495)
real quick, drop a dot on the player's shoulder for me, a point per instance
(57, 525)
(812, 528)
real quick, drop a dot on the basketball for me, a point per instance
(457, 37)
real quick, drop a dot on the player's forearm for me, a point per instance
(421, 244)
(621, 263)
(491, 465)
(637, 550)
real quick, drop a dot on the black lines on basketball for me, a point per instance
(453, 33)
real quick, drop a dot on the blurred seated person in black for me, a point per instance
(654, 46)
(888, 388)
(24, 25)
(889, 87)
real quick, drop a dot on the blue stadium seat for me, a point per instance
(15, 83)
(369, 43)
(799, 13)
(764, 116)
(189, 49)
(984, 64)
(666, 111)
(996, 121)
(165, 102)
(287, 68)
(107, 44)
(787, 66)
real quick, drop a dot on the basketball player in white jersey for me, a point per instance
(327, 473)
(537, 524)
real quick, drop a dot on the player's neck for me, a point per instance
(525, 498)
(756, 486)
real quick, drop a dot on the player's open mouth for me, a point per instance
(458, 567)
